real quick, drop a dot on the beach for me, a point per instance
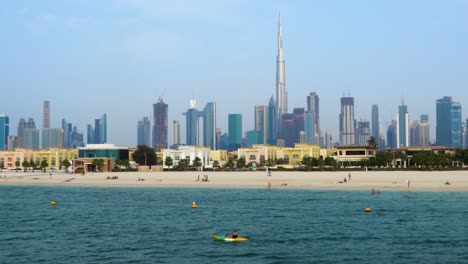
(359, 180)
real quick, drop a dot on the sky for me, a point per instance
(118, 57)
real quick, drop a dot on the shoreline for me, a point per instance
(360, 180)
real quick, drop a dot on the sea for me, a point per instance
(159, 225)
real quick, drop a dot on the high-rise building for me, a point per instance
(457, 140)
(288, 131)
(298, 119)
(309, 128)
(261, 122)
(76, 138)
(22, 125)
(31, 138)
(103, 129)
(272, 131)
(281, 95)
(414, 129)
(364, 132)
(375, 132)
(466, 133)
(12, 142)
(175, 133)
(328, 140)
(235, 131)
(402, 126)
(209, 125)
(254, 137)
(347, 126)
(218, 138)
(314, 108)
(144, 132)
(192, 125)
(160, 114)
(422, 133)
(52, 138)
(392, 135)
(4, 131)
(444, 121)
(90, 135)
(67, 130)
(46, 115)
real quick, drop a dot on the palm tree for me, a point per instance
(98, 163)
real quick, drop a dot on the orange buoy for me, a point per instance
(367, 209)
(53, 203)
(194, 205)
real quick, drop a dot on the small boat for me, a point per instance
(227, 239)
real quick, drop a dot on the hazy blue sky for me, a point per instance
(117, 57)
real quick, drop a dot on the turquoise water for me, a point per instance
(143, 225)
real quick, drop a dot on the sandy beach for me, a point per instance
(360, 180)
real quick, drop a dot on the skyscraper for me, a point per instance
(347, 127)
(103, 129)
(12, 142)
(235, 131)
(363, 132)
(309, 128)
(314, 108)
(144, 132)
(191, 124)
(272, 132)
(76, 138)
(46, 115)
(209, 125)
(175, 133)
(414, 129)
(392, 135)
(457, 140)
(423, 131)
(90, 135)
(67, 130)
(402, 126)
(375, 122)
(4, 131)
(31, 138)
(444, 121)
(52, 138)
(261, 123)
(281, 95)
(160, 119)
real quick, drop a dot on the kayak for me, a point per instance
(226, 239)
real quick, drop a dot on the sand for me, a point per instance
(360, 180)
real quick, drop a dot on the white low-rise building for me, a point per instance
(189, 153)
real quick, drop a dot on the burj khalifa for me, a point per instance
(281, 95)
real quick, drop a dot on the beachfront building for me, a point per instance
(110, 151)
(189, 153)
(9, 158)
(347, 155)
(291, 157)
(54, 156)
(4, 131)
(221, 156)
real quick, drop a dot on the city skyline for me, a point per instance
(333, 58)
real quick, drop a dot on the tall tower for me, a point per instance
(235, 131)
(46, 115)
(347, 127)
(402, 126)
(272, 122)
(4, 131)
(314, 108)
(191, 124)
(261, 122)
(444, 121)
(144, 132)
(175, 132)
(160, 125)
(375, 122)
(281, 95)
(209, 125)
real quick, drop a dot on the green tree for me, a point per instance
(168, 162)
(183, 164)
(383, 158)
(44, 164)
(229, 164)
(32, 164)
(216, 164)
(241, 163)
(330, 161)
(2, 166)
(371, 142)
(98, 163)
(144, 155)
(307, 162)
(270, 163)
(197, 162)
(66, 164)
(123, 163)
(17, 163)
(25, 165)
(280, 161)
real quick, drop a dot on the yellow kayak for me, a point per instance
(227, 239)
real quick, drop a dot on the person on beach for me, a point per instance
(447, 183)
(233, 234)
(409, 182)
(269, 186)
(349, 176)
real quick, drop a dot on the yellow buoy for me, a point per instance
(53, 203)
(194, 205)
(367, 210)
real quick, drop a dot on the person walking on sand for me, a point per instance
(349, 176)
(409, 182)
(269, 186)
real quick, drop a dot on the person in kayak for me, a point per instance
(233, 234)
